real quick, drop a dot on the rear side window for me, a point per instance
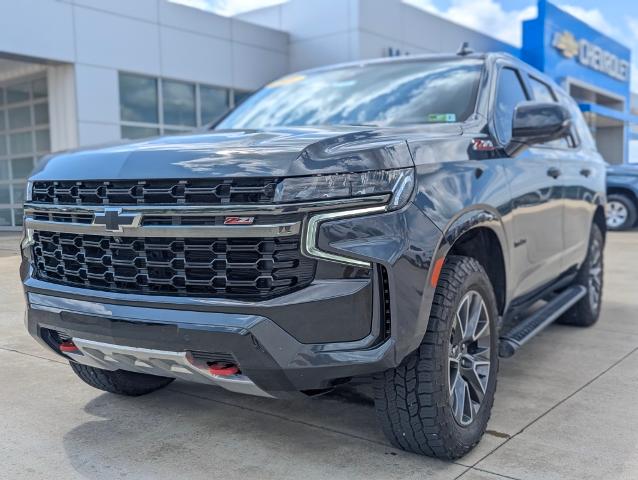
(509, 93)
(579, 125)
(541, 90)
(543, 93)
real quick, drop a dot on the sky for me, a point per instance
(616, 18)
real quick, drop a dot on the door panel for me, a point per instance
(583, 176)
(537, 208)
(537, 195)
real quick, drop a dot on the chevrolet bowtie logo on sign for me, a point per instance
(567, 44)
(113, 219)
(591, 55)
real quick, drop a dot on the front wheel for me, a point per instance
(439, 400)
(121, 382)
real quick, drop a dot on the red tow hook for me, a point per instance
(223, 369)
(69, 347)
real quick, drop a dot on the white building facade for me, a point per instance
(75, 73)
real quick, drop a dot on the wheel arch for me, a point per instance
(627, 192)
(600, 221)
(479, 234)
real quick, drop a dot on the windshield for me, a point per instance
(394, 93)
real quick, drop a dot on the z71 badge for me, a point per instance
(239, 220)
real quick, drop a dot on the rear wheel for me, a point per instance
(620, 212)
(120, 382)
(439, 400)
(587, 310)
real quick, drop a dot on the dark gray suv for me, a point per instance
(390, 221)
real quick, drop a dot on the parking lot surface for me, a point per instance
(565, 408)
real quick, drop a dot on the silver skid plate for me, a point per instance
(157, 362)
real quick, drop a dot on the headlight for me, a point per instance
(28, 193)
(398, 183)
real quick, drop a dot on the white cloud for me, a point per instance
(486, 16)
(594, 18)
(228, 8)
(632, 42)
(490, 18)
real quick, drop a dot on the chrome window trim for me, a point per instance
(311, 248)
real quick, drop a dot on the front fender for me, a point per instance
(407, 244)
(403, 242)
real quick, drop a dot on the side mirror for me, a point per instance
(537, 122)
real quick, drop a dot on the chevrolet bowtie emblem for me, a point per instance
(566, 43)
(113, 219)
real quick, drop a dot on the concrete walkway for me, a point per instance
(565, 408)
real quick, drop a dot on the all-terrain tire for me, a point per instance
(413, 401)
(120, 382)
(586, 311)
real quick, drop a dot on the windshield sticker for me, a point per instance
(286, 81)
(442, 117)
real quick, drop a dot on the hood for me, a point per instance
(624, 170)
(279, 152)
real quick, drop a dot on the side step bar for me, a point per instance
(512, 340)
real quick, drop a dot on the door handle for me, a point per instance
(585, 172)
(554, 172)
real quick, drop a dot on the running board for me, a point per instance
(514, 339)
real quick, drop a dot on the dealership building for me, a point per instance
(84, 72)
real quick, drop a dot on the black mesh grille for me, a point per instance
(144, 192)
(251, 268)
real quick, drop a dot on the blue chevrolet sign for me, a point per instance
(591, 66)
(564, 47)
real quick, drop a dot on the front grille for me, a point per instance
(245, 268)
(154, 192)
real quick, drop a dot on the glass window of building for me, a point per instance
(240, 96)
(214, 103)
(24, 138)
(153, 106)
(138, 98)
(179, 103)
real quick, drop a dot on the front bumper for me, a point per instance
(324, 334)
(270, 357)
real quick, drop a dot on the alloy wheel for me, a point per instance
(469, 357)
(617, 214)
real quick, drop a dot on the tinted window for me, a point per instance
(132, 133)
(579, 125)
(542, 93)
(541, 90)
(179, 103)
(241, 95)
(394, 93)
(138, 98)
(214, 103)
(510, 93)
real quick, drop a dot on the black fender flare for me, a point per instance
(478, 216)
